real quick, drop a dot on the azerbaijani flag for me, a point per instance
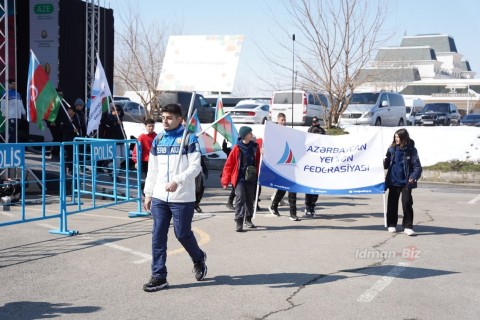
(43, 101)
(194, 123)
(207, 145)
(100, 98)
(218, 113)
(226, 128)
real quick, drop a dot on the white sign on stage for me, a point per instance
(200, 63)
(304, 162)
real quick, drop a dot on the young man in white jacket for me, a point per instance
(170, 193)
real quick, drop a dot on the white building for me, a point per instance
(427, 67)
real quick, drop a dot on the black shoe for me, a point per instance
(274, 211)
(249, 224)
(155, 284)
(197, 208)
(230, 206)
(200, 268)
(258, 208)
(239, 227)
(293, 216)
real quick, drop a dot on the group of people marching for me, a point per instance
(170, 189)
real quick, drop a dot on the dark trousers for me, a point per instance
(182, 214)
(56, 133)
(244, 199)
(144, 172)
(407, 206)
(199, 189)
(68, 149)
(292, 199)
(311, 200)
(12, 130)
(145, 168)
(231, 196)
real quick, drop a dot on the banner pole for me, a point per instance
(384, 211)
(384, 205)
(258, 189)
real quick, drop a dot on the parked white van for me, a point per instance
(374, 109)
(306, 105)
(413, 106)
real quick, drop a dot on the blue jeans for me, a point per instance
(162, 213)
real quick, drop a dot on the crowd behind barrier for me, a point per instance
(35, 186)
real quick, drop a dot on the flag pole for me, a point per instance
(118, 118)
(212, 124)
(68, 117)
(219, 100)
(189, 114)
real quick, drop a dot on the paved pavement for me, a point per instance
(340, 265)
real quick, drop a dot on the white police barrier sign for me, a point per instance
(303, 162)
(12, 156)
(103, 151)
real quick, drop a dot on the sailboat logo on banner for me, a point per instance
(287, 157)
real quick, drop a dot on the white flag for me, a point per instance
(100, 96)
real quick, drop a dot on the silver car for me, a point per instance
(251, 111)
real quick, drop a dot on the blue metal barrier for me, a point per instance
(88, 172)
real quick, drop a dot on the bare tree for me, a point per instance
(139, 54)
(335, 40)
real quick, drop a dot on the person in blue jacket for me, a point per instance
(404, 170)
(169, 192)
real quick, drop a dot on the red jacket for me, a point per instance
(231, 168)
(145, 140)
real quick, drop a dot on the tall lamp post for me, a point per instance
(293, 70)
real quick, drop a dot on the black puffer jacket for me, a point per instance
(411, 164)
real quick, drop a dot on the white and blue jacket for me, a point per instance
(162, 163)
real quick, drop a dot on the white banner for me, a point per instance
(44, 35)
(311, 163)
(200, 63)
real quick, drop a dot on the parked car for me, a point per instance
(229, 102)
(374, 109)
(133, 111)
(251, 111)
(206, 114)
(306, 105)
(439, 114)
(413, 107)
(120, 98)
(471, 120)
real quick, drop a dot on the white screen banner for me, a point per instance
(200, 63)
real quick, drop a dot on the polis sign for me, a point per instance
(12, 156)
(103, 151)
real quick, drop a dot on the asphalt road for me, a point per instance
(340, 265)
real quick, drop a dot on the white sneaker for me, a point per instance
(409, 232)
(392, 229)
(307, 214)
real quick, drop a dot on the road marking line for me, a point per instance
(46, 225)
(474, 200)
(381, 284)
